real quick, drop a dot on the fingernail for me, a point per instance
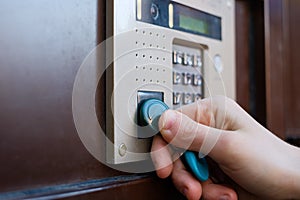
(224, 197)
(169, 118)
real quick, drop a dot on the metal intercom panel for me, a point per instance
(176, 51)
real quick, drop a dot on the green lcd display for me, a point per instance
(192, 24)
(196, 21)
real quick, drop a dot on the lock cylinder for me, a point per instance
(151, 111)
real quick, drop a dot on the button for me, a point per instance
(176, 77)
(176, 98)
(197, 61)
(177, 57)
(229, 4)
(187, 98)
(184, 59)
(197, 97)
(187, 59)
(197, 80)
(187, 78)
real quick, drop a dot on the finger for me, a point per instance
(213, 191)
(181, 131)
(200, 111)
(185, 182)
(219, 112)
(161, 157)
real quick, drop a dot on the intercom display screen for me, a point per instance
(192, 24)
(196, 21)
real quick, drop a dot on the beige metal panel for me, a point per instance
(142, 55)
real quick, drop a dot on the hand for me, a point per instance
(248, 153)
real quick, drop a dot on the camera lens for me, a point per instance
(154, 11)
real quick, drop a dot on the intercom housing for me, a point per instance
(175, 51)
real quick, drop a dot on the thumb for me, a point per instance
(181, 131)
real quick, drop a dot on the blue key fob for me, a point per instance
(195, 164)
(150, 112)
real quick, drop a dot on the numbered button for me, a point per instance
(187, 78)
(176, 77)
(187, 98)
(176, 98)
(177, 57)
(197, 61)
(197, 80)
(187, 59)
(197, 97)
(174, 57)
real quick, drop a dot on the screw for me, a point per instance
(122, 149)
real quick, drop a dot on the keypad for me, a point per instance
(187, 75)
